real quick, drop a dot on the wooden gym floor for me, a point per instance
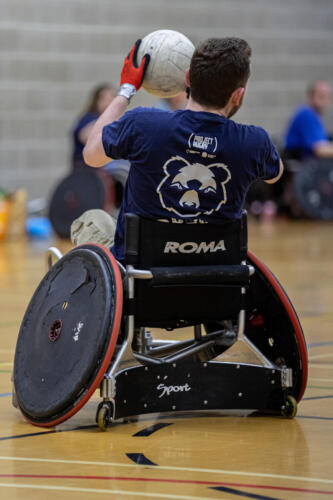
(198, 456)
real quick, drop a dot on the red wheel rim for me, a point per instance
(292, 316)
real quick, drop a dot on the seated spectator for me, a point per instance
(306, 136)
(100, 98)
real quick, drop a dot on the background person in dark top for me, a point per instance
(100, 97)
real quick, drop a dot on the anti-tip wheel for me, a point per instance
(289, 409)
(104, 416)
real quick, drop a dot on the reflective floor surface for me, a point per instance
(188, 456)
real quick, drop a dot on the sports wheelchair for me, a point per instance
(86, 327)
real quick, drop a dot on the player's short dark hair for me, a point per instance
(218, 67)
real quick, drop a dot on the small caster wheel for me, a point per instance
(290, 407)
(104, 415)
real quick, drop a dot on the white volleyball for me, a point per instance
(170, 56)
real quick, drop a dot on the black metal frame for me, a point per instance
(142, 364)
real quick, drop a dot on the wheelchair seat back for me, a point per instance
(196, 252)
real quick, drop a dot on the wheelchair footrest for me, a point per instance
(193, 385)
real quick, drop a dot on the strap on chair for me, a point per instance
(201, 275)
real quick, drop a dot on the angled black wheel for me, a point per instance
(68, 335)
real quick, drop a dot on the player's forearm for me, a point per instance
(323, 149)
(130, 81)
(93, 152)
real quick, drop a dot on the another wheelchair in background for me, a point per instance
(306, 187)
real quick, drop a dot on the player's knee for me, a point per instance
(94, 226)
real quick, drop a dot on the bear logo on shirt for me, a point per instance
(193, 189)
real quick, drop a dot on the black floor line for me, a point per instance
(314, 418)
(242, 493)
(18, 436)
(318, 397)
(319, 344)
(148, 431)
(140, 459)
(54, 431)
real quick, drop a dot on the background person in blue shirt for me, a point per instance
(192, 165)
(306, 136)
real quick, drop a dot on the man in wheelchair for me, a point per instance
(180, 250)
(193, 165)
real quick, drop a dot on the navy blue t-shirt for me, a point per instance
(305, 129)
(187, 165)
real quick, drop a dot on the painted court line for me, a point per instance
(108, 491)
(140, 459)
(241, 493)
(318, 397)
(211, 484)
(320, 365)
(321, 379)
(313, 417)
(151, 429)
(319, 344)
(173, 468)
(321, 356)
(9, 323)
(41, 433)
(325, 388)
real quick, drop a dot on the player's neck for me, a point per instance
(195, 106)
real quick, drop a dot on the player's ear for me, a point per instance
(237, 96)
(187, 77)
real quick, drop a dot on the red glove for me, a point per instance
(131, 72)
